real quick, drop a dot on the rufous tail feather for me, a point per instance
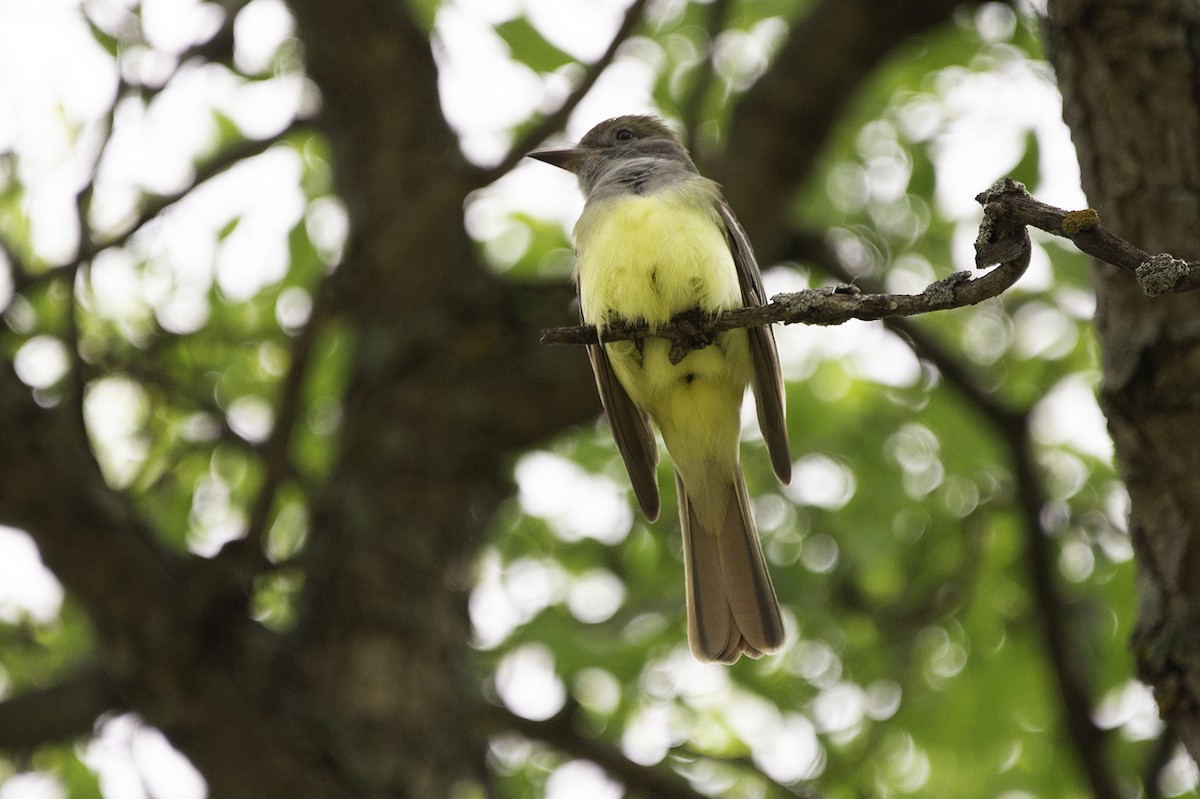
(731, 602)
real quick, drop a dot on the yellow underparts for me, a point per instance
(649, 258)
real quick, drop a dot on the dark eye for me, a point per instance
(624, 134)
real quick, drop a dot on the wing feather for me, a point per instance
(768, 381)
(631, 430)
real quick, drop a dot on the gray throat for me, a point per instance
(638, 175)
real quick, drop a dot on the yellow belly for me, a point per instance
(697, 402)
(649, 259)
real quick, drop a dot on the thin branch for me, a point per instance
(1088, 739)
(57, 713)
(781, 125)
(823, 306)
(693, 103)
(77, 375)
(554, 121)
(157, 204)
(559, 733)
(1008, 200)
(808, 247)
(275, 449)
(90, 536)
(204, 173)
(1003, 239)
(1052, 614)
(747, 764)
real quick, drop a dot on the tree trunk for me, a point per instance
(1128, 72)
(446, 378)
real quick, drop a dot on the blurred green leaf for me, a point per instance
(531, 48)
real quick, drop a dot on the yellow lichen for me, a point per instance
(1075, 222)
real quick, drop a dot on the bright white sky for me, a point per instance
(55, 79)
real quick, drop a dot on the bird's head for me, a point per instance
(618, 141)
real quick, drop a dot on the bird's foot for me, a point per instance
(692, 332)
(619, 328)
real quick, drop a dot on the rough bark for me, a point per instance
(1130, 77)
(445, 380)
(173, 631)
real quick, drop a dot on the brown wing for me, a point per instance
(630, 429)
(768, 382)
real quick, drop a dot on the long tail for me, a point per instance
(731, 602)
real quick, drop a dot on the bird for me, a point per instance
(657, 244)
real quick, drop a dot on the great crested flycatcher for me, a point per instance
(657, 242)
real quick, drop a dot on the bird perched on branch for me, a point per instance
(657, 244)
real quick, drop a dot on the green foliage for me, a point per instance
(178, 404)
(530, 47)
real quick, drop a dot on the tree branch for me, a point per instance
(89, 535)
(1059, 638)
(746, 763)
(57, 713)
(1000, 242)
(1008, 209)
(554, 121)
(1009, 201)
(275, 450)
(823, 306)
(76, 382)
(693, 102)
(155, 205)
(559, 733)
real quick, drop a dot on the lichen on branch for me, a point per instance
(1003, 242)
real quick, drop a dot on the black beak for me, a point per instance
(568, 159)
